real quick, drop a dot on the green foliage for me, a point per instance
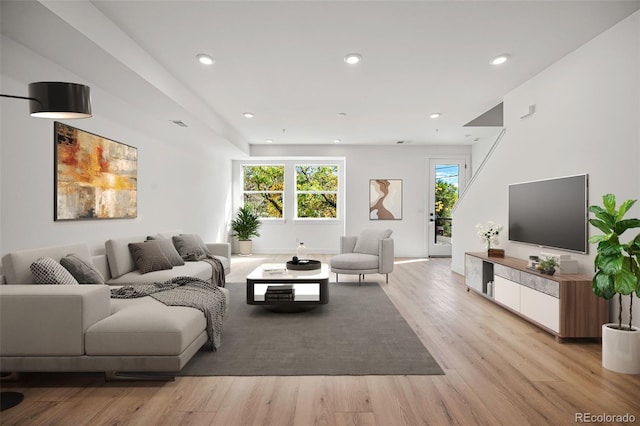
(317, 188)
(548, 263)
(246, 223)
(616, 264)
(446, 198)
(264, 187)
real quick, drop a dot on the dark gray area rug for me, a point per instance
(360, 332)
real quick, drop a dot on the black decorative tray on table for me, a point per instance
(296, 264)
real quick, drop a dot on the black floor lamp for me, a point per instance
(58, 100)
(55, 99)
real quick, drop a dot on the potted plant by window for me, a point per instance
(245, 224)
(617, 272)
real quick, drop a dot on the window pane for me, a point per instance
(266, 204)
(263, 178)
(317, 205)
(317, 178)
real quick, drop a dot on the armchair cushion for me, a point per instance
(357, 261)
(368, 240)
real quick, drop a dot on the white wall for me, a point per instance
(408, 163)
(184, 179)
(586, 120)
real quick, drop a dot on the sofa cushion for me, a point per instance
(46, 270)
(200, 270)
(16, 265)
(368, 240)
(148, 256)
(190, 246)
(168, 249)
(144, 326)
(82, 271)
(119, 256)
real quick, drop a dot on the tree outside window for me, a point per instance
(263, 188)
(317, 191)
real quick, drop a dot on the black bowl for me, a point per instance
(304, 265)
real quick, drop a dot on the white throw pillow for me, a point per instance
(46, 270)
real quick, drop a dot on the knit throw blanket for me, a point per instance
(217, 274)
(185, 291)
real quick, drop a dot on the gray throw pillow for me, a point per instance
(368, 240)
(82, 271)
(168, 249)
(190, 246)
(46, 270)
(148, 257)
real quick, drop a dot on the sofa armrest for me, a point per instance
(386, 256)
(220, 249)
(347, 243)
(50, 320)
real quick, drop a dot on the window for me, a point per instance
(316, 191)
(263, 188)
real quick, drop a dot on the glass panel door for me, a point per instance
(447, 178)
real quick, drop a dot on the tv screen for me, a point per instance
(550, 213)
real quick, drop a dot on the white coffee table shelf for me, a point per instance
(311, 287)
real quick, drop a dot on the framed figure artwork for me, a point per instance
(385, 199)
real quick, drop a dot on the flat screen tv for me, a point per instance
(550, 213)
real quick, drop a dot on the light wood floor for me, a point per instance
(499, 370)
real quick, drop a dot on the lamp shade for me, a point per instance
(54, 99)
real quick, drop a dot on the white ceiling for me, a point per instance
(283, 61)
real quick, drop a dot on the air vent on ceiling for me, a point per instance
(179, 123)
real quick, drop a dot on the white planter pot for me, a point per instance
(621, 349)
(244, 246)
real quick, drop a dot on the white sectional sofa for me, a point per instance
(72, 328)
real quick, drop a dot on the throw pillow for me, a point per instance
(367, 242)
(82, 271)
(168, 249)
(148, 257)
(46, 270)
(190, 247)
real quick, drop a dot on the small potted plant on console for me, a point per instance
(617, 272)
(548, 265)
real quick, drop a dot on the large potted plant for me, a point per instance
(245, 224)
(617, 273)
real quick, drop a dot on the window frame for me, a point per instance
(282, 193)
(297, 192)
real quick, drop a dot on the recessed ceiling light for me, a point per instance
(337, 141)
(205, 59)
(435, 115)
(500, 59)
(269, 140)
(353, 58)
(247, 114)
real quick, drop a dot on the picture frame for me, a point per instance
(385, 199)
(94, 177)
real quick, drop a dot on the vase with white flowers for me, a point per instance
(490, 235)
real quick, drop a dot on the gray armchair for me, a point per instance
(369, 253)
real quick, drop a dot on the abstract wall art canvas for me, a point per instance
(385, 199)
(95, 177)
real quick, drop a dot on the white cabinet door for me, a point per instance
(540, 307)
(507, 292)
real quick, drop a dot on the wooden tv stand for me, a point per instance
(561, 304)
